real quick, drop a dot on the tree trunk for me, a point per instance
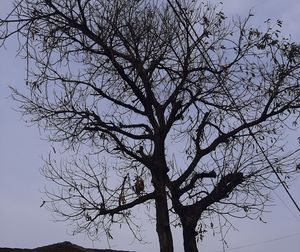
(189, 237)
(162, 221)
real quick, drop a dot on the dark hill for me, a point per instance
(60, 247)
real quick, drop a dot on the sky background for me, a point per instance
(24, 224)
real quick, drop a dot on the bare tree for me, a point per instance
(177, 106)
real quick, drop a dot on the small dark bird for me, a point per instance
(139, 185)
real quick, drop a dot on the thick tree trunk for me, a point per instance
(189, 237)
(162, 222)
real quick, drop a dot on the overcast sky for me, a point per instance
(24, 224)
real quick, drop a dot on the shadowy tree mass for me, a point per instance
(175, 106)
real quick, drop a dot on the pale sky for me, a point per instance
(24, 224)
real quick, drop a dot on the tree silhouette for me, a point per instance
(176, 107)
